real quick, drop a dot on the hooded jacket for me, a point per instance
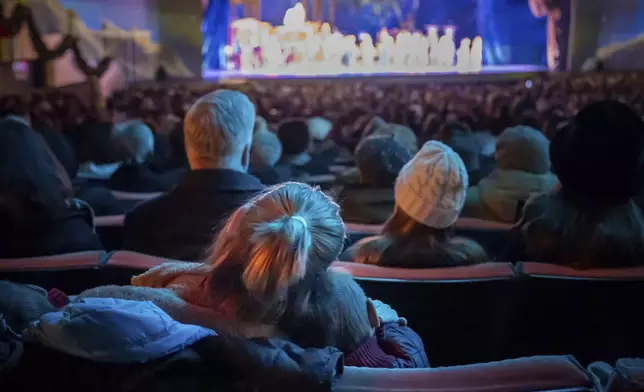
(498, 196)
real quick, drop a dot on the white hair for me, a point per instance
(132, 141)
(220, 125)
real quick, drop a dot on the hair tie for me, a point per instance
(299, 218)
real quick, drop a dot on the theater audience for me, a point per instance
(379, 159)
(38, 217)
(522, 171)
(430, 193)
(133, 145)
(218, 134)
(296, 149)
(592, 220)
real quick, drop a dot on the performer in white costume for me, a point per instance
(432, 37)
(476, 55)
(386, 48)
(447, 48)
(367, 51)
(463, 56)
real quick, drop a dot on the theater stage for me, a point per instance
(429, 74)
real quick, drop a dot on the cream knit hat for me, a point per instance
(431, 188)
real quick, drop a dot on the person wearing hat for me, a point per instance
(430, 192)
(522, 171)
(592, 219)
(379, 159)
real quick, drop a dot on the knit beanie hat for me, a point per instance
(431, 188)
(379, 159)
(599, 156)
(294, 136)
(524, 149)
(319, 128)
(266, 149)
(403, 135)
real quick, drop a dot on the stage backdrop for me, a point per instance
(512, 35)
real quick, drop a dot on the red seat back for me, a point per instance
(549, 373)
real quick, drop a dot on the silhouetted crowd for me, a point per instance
(253, 188)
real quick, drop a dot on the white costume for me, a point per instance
(476, 55)
(463, 56)
(367, 51)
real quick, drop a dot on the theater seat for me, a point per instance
(130, 200)
(491, 235)
(110, 229)
(460, 313)
(548, 373)
(122, 265)
(71, 272)
(627, 376)
(591, 314)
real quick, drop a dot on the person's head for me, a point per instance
(379, 159)
(460, 138)
(132, 142)
(402, 134)
(339, 314)
(319, 128)
(430, 193)
(295, 137)
(431, 188)
(523, 149)
(218, 131)
(30, 186)
(270, 245)
(266, 150)
(599, 156)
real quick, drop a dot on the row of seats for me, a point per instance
(491, 235)
(465, 315)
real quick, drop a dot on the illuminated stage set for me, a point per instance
(298, 47)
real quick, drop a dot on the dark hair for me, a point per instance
(557, 231)
(294, 135)
(30, 189)
(406, 243)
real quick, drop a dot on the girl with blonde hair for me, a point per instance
(268, 258)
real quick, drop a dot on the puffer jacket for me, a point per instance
(118, 345)
(498, 196)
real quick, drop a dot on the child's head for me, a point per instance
(269, 245)
(337, 313)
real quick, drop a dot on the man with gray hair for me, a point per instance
(218, 132)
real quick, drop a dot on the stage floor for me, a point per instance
(429, 73)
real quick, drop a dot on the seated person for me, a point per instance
(296, 147)
(370, 333)
(133, 144)
(39, 219)
(523, 171)
(461, 139)
(268, 275)
(430, 192)
(592, 219)
(180, 225)
(264, 156)
(371, 201)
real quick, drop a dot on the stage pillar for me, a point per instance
(332, 13)
(585, 28)
(316, 14)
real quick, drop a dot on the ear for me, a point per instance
(374, 320)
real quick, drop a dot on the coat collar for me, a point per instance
(221, 180)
